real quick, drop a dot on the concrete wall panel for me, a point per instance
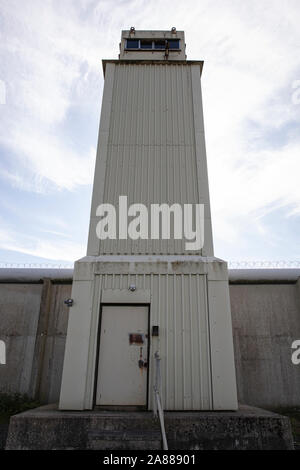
(266, 320)
(19, 315)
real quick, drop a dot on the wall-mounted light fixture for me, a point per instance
(132, 288)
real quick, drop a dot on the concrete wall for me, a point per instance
(19, 315)
(266, 320)
(33, 324)
(265, 315)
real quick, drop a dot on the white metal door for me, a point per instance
(123, 356)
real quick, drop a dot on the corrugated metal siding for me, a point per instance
(151, 148)
(178, 306)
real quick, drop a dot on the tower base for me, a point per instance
(188, 301)
(248, 428)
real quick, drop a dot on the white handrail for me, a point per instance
(157, 400)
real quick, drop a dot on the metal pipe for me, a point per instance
(157, 401)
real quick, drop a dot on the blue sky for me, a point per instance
(51, 69)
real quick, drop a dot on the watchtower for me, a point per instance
(133, 296)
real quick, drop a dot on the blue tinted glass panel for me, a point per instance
(173, 43)
(146, 44)
(132, 44)
(160, 44)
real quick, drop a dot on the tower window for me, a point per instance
(146, 44)
(173, 43)
(160, 44)
(132, 44)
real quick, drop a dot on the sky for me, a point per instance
(51, 84)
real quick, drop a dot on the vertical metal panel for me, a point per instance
(221, 347)
(151, 146)
(178, 306)
(102, 154)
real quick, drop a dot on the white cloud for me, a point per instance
(59, 249)
(49, 158)
(64, 251)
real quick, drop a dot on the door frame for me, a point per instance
(119, 304)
